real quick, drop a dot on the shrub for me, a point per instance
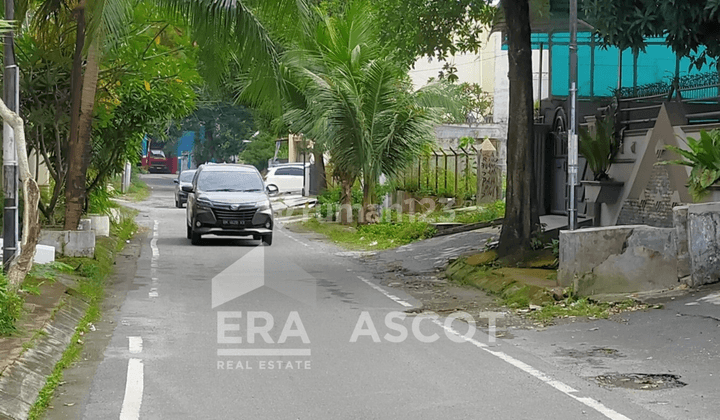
(11, 306)
(402, 233)
(488, 213)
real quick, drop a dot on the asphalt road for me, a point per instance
(179, 321)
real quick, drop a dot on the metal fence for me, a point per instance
(444, 173)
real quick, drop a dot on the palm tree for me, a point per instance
(345, 89)
(96, 21)
(224, 30)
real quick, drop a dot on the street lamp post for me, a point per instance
(10, 163)
(572, 132)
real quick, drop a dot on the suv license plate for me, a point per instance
(233, 223)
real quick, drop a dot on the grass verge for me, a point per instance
(11, 307)
(372, 237)
(486, 213)
(138, 190)
(91, 274)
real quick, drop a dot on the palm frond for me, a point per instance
(703, 156)
(234, 25)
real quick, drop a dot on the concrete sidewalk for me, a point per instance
(281, 203)
(432, 255)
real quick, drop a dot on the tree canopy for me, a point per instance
(433, 28)
(690, 28)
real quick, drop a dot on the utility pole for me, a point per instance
(572, 132)
(10, 161)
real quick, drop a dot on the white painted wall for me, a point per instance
(489, 69)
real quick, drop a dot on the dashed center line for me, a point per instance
(135, 345)
(154, 261)
(133, 391)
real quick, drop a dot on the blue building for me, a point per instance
(655, 99)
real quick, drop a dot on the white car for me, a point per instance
(287, 178)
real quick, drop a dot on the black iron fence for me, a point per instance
(448, 173)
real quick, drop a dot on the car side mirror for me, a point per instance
(175, 180)
(187, 188)
(272, 190)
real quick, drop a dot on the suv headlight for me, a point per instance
(263, 205)
(204, 203)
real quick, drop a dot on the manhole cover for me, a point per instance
(640, 381)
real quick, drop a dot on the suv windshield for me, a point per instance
(187, 176)
(229, 181)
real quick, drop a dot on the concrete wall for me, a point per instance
(703, 233)
(635, 258)
(618, 259)
(71, 243)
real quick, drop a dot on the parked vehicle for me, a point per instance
(229, 200)
(158, 162)
(287, 177)
(185, 178)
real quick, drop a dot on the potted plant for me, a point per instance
(703, 156)
(599, 150)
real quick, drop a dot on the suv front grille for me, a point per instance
(245, 215)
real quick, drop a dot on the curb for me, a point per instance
(21, 382)
(465, 227)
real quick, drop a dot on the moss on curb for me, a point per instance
(519, 288)
(516, 287)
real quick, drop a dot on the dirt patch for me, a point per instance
(444, 297)
(597, 352)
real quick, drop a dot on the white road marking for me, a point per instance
(153, 242)
(133, 391)
(385, 292)
(135, 344)
(712, 298)
(293, 238)
(560, 386)
(154, 260)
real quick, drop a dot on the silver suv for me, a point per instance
(229, 200)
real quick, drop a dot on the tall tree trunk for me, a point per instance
(22, 263)
(87, 107)
(346, 213)
(322, 177)
(521, 214)
(369, 213)
(75, 187)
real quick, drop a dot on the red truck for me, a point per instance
(156, 161)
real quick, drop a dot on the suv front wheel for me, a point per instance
(267, 239)
(195, 237)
